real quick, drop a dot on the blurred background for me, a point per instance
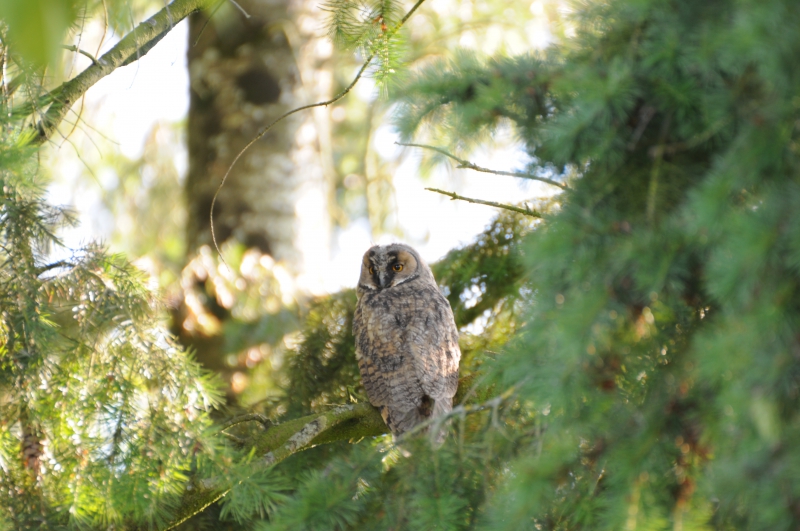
(141, 156)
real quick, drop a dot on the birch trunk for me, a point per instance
(246, 72)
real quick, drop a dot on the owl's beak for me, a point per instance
(382, 279)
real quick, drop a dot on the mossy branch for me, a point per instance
(347, 422)
(130, 48)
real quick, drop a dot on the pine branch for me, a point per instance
(348, 422)
(527, 211)
(469, 165)
(129, 49)
(55, 265)
(281, 441)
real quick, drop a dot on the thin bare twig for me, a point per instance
(105, 28)
(470, 166)
(336, 98)
(208, 21)
(78, 154)
(264, 131)
(435, 423)
(79, 119)
(240, 8)
(453, 196)
(55, 265)
(249, 417)
(72, 48)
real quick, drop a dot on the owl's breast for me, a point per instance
(385, 317)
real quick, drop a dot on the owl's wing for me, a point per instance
(433, 338)
(371, 377)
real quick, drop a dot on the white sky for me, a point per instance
(135, 98)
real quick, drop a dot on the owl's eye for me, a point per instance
(397, 267)
(371, 270)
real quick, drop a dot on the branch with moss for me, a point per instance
(454, 196)
(130, 48)
(470, 166)
(346, 422)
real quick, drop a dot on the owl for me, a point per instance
(406, 338)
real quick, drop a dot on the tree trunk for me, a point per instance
(245, 73)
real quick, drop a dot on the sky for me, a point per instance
(154, 90)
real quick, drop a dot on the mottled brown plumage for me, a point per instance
(406, 338)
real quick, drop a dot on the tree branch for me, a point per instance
(82, 52)
(348, 422)
(240, 8)
(249, 417)
(469, 165)
(55, 265)
(131, 48)
(453, 196)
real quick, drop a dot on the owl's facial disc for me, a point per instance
(384, 268)
(402, 267)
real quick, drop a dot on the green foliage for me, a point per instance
(655, 382)
(485, 277)
(463, 98)
(37, 29)
(255, 494)
(324, 365)
(102, 413)
(641, 344)
(370, 27)
(330, 499)
(663, 334)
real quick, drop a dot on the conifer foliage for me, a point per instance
(369, 27)
(103, 415)
(631, 361)
(661, 353)
(655, 382)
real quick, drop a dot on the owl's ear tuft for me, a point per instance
(367, 281)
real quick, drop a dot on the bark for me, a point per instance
(245, 72)
(247, 69)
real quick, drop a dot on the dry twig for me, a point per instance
(453, 196)
(470, 166)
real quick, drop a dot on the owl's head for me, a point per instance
(387, 266)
